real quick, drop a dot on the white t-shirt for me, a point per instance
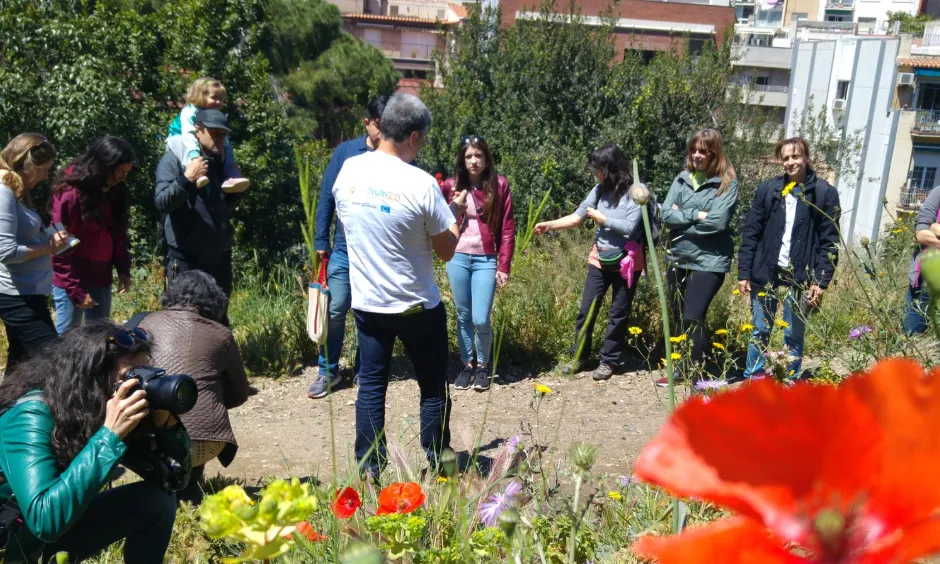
(784, 259)
(389, 211)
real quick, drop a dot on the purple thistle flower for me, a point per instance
(627, 481)
(858, 332)
(513, 443)
(703, 385)
(489, 511)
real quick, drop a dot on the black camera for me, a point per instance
(175, 393)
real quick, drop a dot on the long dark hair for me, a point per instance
(489, 179)
(88, 173)
(617, 176)
(196, 290)
(74, 375)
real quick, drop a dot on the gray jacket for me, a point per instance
(707, 244)
(624, 219)
(925, 218)
(196, 221)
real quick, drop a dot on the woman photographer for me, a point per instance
(66, 416)
(190, 338)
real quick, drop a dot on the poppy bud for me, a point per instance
(641, 194)
(865, 241)
(930, 271)
(508, 520)
(448, 463)
(583, 456)
(361, 553)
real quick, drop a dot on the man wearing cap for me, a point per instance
(196, 220)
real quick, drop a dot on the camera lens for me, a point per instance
(176, 393)
(186, 394)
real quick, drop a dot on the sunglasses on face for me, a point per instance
(129, 340)
(471, 139)
(699, 151)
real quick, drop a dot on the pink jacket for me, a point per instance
(507, 224)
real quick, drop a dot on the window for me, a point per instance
(923, 178)
(440, 14)
(762, 80)
(696, 46)
(393, 10)
(646, 55)
(832, 18)
(842, 90)
(929, 97)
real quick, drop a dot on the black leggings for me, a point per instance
(28, 324)
(690, 294)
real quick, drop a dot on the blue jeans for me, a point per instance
(68, 316)
(915, 310)
(424, 336)
(337, 278)
(473, 284)
(764, 311)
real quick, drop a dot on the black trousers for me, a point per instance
(28, 324)
(595, 288)
(178, 262)
(691, 293)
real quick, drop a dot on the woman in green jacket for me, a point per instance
(698, 212)
(63, 429)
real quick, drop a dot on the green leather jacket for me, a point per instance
(52, 500)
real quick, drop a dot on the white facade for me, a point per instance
(855, 79)
(877, 11)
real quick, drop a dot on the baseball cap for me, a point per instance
(213, 119)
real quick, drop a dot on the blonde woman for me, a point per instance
(698, 212)
(26, 248)
(206, 94)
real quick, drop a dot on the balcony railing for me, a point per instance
(927, 121)
(912, 197)
(840, 4)
(400, 50)
(831, 27)
(768, 88)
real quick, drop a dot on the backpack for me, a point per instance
(656, 219)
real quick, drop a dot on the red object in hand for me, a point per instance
(309, 533)
(346, 503)
(400, 497)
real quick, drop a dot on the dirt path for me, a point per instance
(282, 432)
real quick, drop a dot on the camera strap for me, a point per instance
(136, 320)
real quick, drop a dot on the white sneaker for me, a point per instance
(202, 181)
(235, 185)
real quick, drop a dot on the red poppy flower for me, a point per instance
(438, 177)
(307, 530)
(845, 474)
(346, 503)
(400, 497)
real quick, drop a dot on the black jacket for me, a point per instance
(813, 244)
(196, 221)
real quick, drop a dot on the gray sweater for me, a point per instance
(925, 218)
(624, 218)
(21, 227)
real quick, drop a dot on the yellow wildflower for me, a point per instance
(735, 292)
(721, 332)
(442, 479)
(678, 339)
(787, 189)
(662, 362)
(635, 330)
(792, 372)
(543, 389)
(718, 346)
(676, 356)
(746, 327)
(761, 294)
(781, 323)
(615, 496)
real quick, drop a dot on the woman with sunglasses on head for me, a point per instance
(26, 247)
(89, 199)
(615, 261)
(484, 254)
(66, 416)
(698, 212)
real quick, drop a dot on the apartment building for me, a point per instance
(646, 26)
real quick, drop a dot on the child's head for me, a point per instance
(206, 93)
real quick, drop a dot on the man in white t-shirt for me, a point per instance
(394, 217)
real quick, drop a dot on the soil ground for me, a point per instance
(281, 432)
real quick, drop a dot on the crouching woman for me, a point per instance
(66, 416)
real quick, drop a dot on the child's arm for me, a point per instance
(935, 229)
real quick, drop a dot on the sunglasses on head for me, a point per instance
(129, 340)
(471, 139)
